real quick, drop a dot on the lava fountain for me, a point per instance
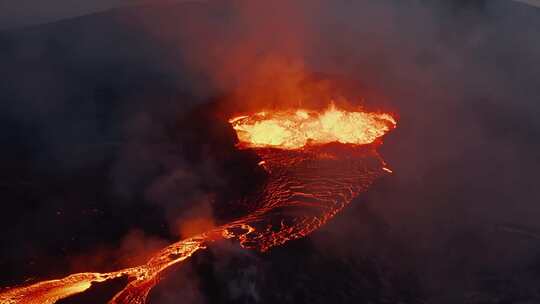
(317, 162)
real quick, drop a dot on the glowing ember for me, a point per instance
(308, 183)
(296, 129)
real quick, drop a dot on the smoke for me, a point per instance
(463, 78)
(530, 2)
(454, 221)
(134, 249)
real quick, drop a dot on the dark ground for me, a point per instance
(105, 149)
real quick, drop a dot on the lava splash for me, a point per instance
(317, 163)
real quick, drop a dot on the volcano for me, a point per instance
(116, 144)
(316, 163)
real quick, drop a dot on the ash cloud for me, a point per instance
(457, 220)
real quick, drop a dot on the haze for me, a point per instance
(19, 13)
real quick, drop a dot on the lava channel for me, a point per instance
(317, 163)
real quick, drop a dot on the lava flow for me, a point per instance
(316, 164)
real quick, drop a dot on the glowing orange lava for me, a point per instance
(296, 129)
(316, 163)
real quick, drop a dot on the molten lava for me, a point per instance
(297, 129)
(316, 163)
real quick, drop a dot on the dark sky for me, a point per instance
(16, 13)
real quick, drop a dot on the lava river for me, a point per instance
(317, 163)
